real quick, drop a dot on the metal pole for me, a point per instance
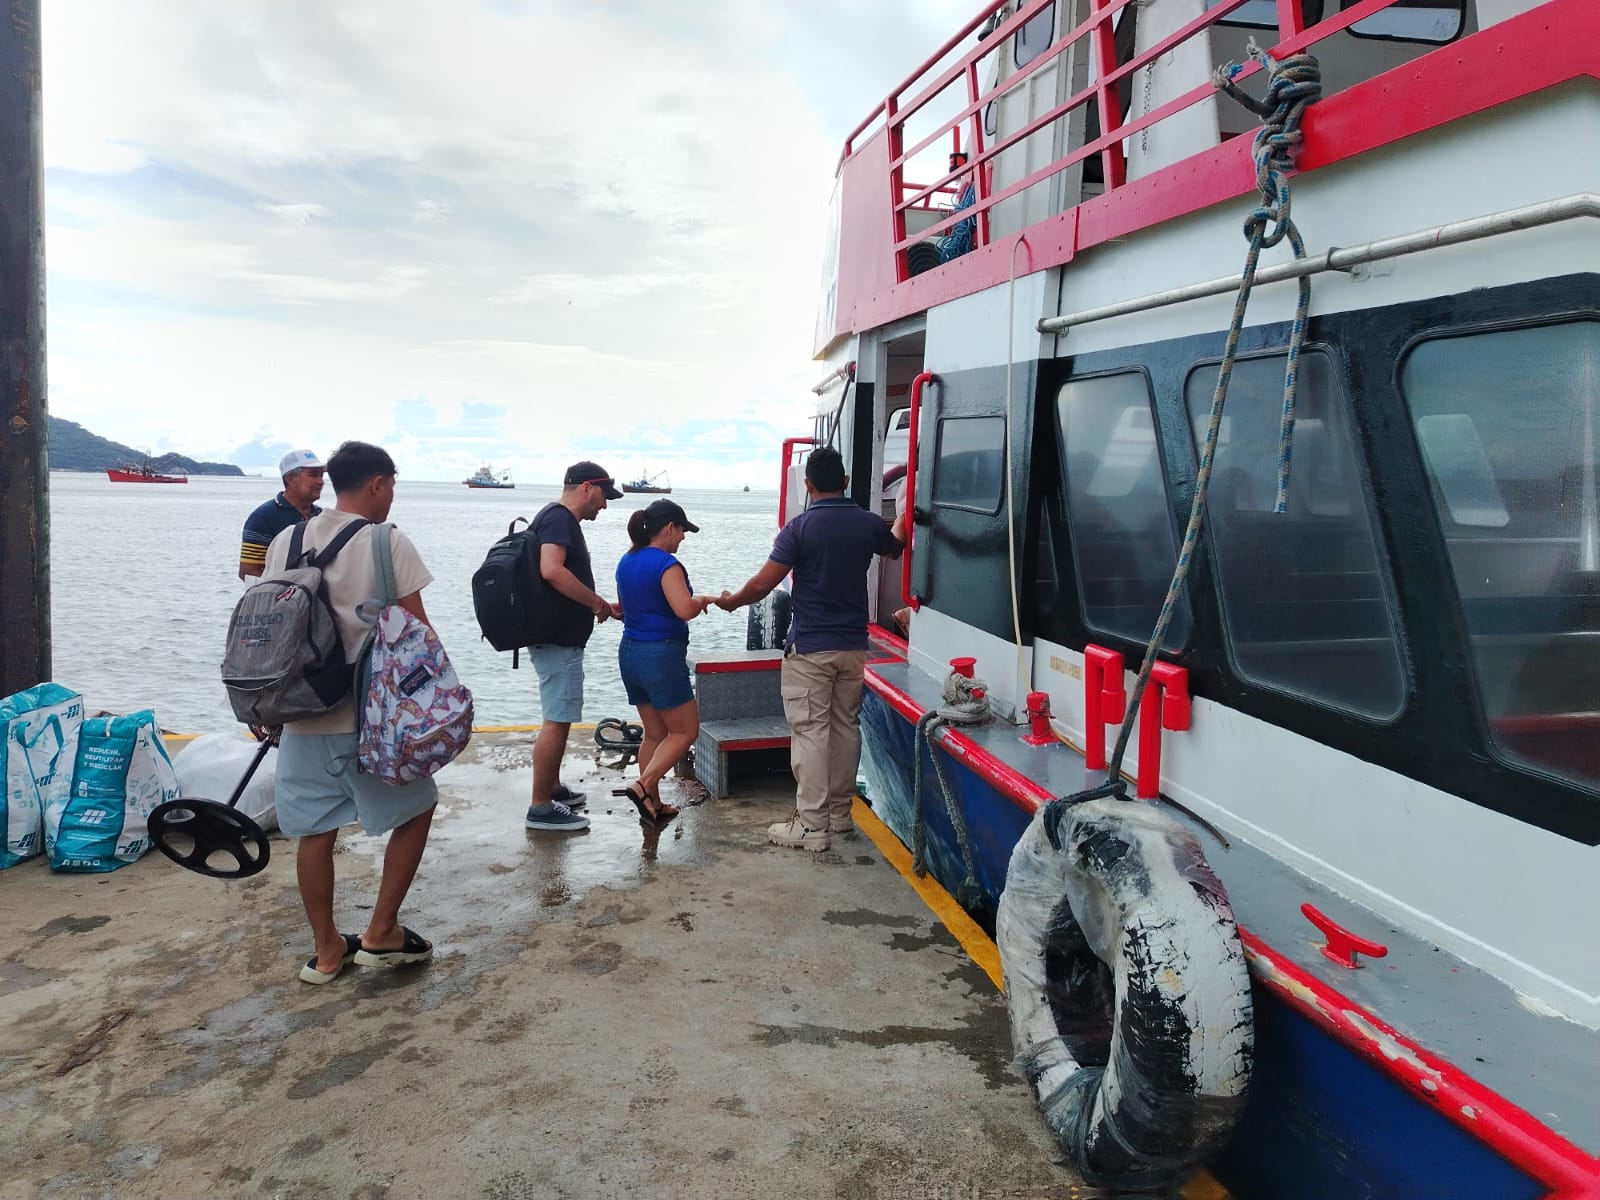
(24, 416)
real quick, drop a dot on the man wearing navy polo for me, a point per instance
(829, 548)
(302, 483)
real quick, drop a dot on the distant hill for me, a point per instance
(74, 448)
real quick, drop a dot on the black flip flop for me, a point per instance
(415, 949)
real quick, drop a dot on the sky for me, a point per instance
(509, 231)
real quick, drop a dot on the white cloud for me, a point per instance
(583, 226)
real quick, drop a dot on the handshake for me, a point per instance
(725, 602)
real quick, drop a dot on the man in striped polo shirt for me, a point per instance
(302, 484)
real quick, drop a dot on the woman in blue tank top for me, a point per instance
(657, 606)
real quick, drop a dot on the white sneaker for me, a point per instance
(796, 836)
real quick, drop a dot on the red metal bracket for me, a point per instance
(1105, 701)
(1342, 945)
(912, 600)
(1039, 731)
(783, 475)
(1168, 687)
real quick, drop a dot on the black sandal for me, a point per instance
(640, 800)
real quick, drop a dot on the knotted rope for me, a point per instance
(1292, 85)
(961, 707)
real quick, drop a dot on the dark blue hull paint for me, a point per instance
(1323, 1123)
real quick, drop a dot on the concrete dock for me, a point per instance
(619, 1013)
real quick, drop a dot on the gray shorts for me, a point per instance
(560, 671)
(319, 788)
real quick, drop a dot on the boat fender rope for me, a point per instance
(618, 738)
(965, 703)
(1293, 83)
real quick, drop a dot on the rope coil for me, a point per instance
(965, 703)
(1293, 83)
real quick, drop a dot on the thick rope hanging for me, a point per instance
(965, 703)
(1292, 85)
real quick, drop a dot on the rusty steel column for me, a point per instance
(24, 417)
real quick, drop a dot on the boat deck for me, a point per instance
(618, 1013)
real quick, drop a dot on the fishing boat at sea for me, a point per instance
(649, 485)
(487, 477)
(1251, 692)
(143, 473)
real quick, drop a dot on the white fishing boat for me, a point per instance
(1357, 790)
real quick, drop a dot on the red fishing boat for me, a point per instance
(130, 473)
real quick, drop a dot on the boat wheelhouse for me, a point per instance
(1377, 698)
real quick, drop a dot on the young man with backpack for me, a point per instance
(318, 787)
(573, 608)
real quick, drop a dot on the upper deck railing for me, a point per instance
(929, 88)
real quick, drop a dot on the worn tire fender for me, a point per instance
(1128, 991)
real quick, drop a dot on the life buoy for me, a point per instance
(1128, 991)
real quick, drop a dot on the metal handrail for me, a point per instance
(911, 599)
(1530, 216)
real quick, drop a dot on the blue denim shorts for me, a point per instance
(560, 671)
(655, 673)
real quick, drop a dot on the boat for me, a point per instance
(485, 477)
(649, 485)
(142, 473)
(1348, 729)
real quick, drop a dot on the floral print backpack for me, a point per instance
(414, 715)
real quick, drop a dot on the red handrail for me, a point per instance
(912, 600)
(783, 474)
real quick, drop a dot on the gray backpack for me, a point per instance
(284, 660)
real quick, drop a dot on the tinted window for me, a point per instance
(970, 467)
(1033, 39)
(1507, 423)
(1305, 594)
(1258, 14)
(1123, 542)
(1412, 21)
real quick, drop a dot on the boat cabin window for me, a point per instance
(1305, 594)
(1033, 39)
(1412, 21)
(1508, 423)
(1124, 544)
(969, 470)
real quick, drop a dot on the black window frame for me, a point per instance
(1460, 7)
(938, 459)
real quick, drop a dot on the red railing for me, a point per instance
(1097, 32)
(790, 456)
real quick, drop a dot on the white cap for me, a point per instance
(296, 459)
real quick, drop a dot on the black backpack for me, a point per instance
(509, 594)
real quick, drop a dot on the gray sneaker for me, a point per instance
(565, 795)
(557, 817)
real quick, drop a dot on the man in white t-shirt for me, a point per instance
(318, 787)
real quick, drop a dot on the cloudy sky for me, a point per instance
(515, 231)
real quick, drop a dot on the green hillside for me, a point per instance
(74, 448)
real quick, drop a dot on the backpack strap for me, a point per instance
(326, 555)
(383, 563)
(297, 547)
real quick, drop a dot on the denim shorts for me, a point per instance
(560, 671)
(319, 789)
(655, 673)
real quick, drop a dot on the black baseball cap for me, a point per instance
(661, 513)
(593, 472)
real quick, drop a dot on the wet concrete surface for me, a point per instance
(624, 1012)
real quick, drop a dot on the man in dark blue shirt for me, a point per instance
(829, 548)
(302, 483)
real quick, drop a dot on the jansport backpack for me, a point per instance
(509, 591)
(413, 714)
(284, 660)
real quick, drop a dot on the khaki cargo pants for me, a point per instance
(822, 702)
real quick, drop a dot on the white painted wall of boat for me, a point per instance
(1537, 149)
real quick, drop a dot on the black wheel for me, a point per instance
(767, 626)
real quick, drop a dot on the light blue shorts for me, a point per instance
(320, 789)
(560, 671)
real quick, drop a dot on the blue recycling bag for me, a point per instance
(122, 772)
(38, 746)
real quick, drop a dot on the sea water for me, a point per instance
(144, 576)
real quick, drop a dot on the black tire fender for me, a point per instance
(1128, 991)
